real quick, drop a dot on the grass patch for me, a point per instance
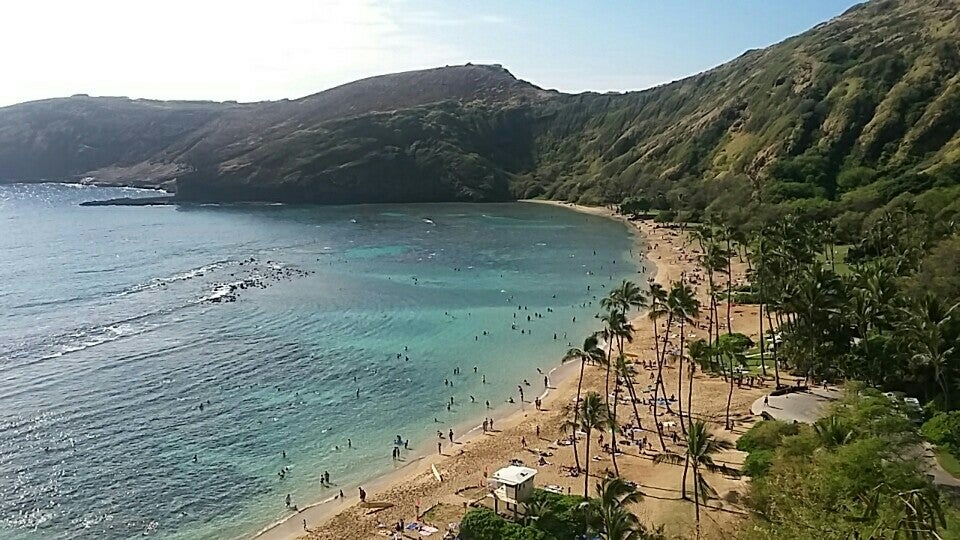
(443, 514)
(948, 461)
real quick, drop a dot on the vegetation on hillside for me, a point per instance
(855, 116)
(850, 475)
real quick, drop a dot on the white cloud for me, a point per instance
(211, 49)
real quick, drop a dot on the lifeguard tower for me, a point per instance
(511, 486)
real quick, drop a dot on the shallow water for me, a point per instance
(110, 340)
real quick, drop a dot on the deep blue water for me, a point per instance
(109, 344)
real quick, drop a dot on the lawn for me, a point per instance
(948, 461)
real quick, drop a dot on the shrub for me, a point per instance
(758, 462)
(766, 435)
(564, 516)
(944, 430)
(481, 524)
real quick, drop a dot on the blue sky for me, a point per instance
(622, 45)
(252, 50)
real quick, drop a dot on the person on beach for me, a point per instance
(363, 494)
(439, 447)
(450, 435)
(288, 500)
(304, 524)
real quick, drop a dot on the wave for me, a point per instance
(183, 276)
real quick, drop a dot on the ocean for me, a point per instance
(157, 363)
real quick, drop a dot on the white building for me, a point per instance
(511, 486)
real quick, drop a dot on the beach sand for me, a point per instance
(465, 464)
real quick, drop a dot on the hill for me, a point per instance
(848, 114)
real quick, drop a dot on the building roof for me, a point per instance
(513, 475)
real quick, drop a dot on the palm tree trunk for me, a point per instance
(776, 361)
(763, 364)
(693, 369)
(659, 383)
(606, 384)
(683, 481)
(663, 354)
(586, 474)
(729, 394)
(633, 398)
(729, 287)
(576, 414)
(683, 426)
(696, 499)
(613, 433)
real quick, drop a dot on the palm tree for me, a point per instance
(684, 307)
(700, 353)
(731, 348)
(833, 431)
(759, 278)
(701, 447)
(932, 336)
(623, 371)
(611, 518)
(729, 235)
(625, 297)
(617, 329)
(594, 414)
(658, 308)
(589, 352)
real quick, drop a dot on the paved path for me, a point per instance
(800, 406)
(808, 406)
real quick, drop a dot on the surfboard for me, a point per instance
(436, 473)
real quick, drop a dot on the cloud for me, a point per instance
(434, 18)
(212, 49)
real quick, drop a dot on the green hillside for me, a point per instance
(836, 122)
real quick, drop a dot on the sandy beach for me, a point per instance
(465, 464)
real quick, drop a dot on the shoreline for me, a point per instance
(667, 256)
(321, 512)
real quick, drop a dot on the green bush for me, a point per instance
(758, 462)
(944, 430)
(564, 516)
(481, 524)
(766, 435)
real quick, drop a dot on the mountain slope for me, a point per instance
(869, 96)
(874, 87)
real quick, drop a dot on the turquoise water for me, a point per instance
(119, 322)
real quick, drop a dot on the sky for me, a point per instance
(257, 50)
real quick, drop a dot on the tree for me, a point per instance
(833, 431)
(732, 347)
(589, 352)
(701, 447)
(618, 303)
(931, 333)
(611, 518)
(658, 308)
(594, 415)
(684, 307)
